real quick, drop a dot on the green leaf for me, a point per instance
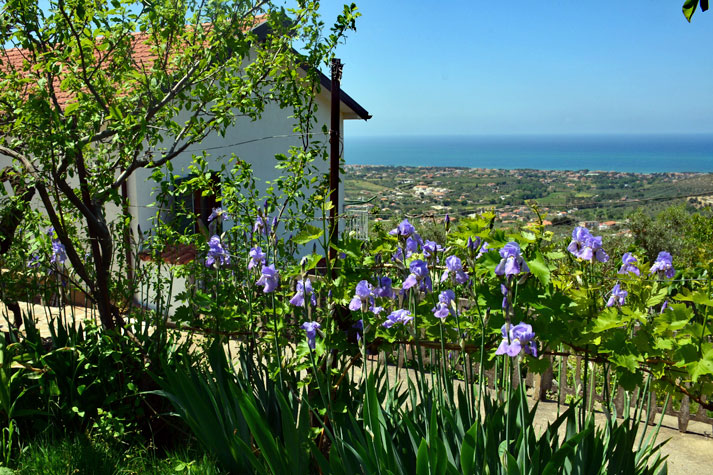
(539, 268)
(657, 298)
(629, 381)
(422, 461)
(688, 8)
(467, 451)
(309, 233)
(687, 353)
(630, 362)
(537, 365)
(558, 458)
(264, 438)
(311, 261)
(664, 344)
(674, 319)
(701, 367)
(71, 107)
(608, 319)
(512, 466)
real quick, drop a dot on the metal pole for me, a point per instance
(334, 162)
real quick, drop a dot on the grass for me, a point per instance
(81, 455)
(365, 185)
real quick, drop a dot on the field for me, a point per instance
(564, 196)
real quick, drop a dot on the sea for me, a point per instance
(623, 153)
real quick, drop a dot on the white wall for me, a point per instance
(260, 154)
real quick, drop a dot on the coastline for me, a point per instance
(622, 153)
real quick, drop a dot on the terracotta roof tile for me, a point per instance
(20, 60)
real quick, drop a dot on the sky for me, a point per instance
(422, 67)
(558, 67)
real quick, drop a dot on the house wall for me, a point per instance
(260, 154)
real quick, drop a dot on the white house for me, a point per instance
(254, 142)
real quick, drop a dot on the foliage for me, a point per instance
(80, 455)
(384, 432)
(689, 7)
(686, 235)
(82, 111)
(306, 394)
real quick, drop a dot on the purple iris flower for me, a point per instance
(447, 222)
(259, 226)
(512, 262)
(580, 237)
(398, 255)
(504, 291)
(304, 288)
(270, 278)
(34, 261)
(375, 309)
(664, 306)
(485, 248)
(664, 265)
(404, 229)
(419, 275)
(218, 213)
(412, 245)
(618, 296)
(362, 295)
(455, 265)
(628, 264)
(442, 308)
(472, 245)
(585, 246)
(397, 316)
(384, 289)
(430, 248)
(518, 337)
(257, 257)
(359, 326)
(216, 253)
(59, 253)
(311, 329)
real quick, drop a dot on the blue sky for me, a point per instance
(555, 67)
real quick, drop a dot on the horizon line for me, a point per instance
(532, 134)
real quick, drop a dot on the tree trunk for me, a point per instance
(10, 219)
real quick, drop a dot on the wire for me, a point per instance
(245, 142)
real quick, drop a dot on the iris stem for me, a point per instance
(277, 342)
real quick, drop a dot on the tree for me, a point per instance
(80, 112)
(689, 7)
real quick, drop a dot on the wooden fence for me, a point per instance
(544, 387)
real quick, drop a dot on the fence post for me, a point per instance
(654, 409)
(543, 383)
(684, 414)
(619, 401)
(578, 377)
(563, 384)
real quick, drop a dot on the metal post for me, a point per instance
(334, 162)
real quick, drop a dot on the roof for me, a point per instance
(142, 55)
(354, 109)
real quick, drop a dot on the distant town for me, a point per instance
(600, 200)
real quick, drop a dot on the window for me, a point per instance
(189, 210)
